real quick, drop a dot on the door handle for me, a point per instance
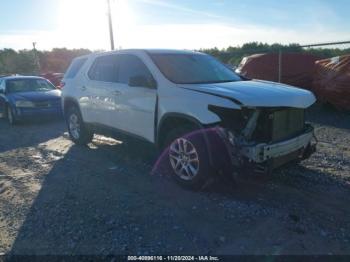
(83, 88)
(117, 93)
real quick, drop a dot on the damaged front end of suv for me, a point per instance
(265, 138)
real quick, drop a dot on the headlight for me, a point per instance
(24, 103)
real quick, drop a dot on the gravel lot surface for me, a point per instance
(58, 198)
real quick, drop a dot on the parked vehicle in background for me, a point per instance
(28, 97)
(175, 99)
(54, 78)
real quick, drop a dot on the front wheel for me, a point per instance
(10, 116)
(188, 157)
(77, 129)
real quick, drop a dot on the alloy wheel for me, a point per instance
(184, 159)
(74, 126)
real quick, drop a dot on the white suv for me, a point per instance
(162, 96)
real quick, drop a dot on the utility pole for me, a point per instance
(36, 59)
(110, 25)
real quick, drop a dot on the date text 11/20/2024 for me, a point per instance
(173, 258)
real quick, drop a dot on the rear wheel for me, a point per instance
(77, 129)
(188, 157)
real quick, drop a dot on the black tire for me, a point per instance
(81, 135)
(10, 116)
(196, 139)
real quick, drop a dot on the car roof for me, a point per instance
(149, 51)
(169, 51)
(17, 77)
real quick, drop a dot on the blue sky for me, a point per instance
(190, 24)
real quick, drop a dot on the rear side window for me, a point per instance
(75, 67)
(104, 69)
(131, 66)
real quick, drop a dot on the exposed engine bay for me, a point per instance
(266, 138)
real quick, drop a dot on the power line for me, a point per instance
(323, 44)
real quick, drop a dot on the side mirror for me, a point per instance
(142, 81)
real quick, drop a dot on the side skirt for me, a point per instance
(115, 133)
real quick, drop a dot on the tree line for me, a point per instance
(29, 62)
(57, 60)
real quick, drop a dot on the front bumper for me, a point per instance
(263, 152)
(27, 113)
(264, 157)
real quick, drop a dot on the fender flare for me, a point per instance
(166, 116)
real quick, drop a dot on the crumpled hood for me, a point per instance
(258, 93)
(51, 95)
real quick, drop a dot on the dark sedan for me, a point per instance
(28, 97)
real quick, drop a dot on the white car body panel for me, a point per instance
(192, 103)
(102, 102)
(135, 107)
(256, 93)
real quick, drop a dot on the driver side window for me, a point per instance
(132, 66)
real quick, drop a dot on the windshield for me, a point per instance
(28, 85)
(193, 69)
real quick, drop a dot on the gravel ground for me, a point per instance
(58, 198)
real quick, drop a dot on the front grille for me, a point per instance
(42, 104)
(279, 124)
